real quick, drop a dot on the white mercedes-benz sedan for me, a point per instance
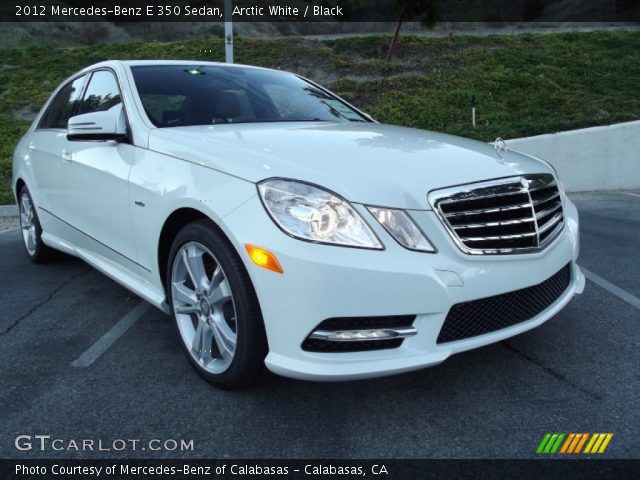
(282, 227)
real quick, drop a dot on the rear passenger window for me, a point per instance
(63, 105)
(101, 94)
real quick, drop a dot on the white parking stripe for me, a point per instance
(629, 193)
(9, 230)
(611, 288)
(109, 338)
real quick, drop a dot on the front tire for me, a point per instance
(215, 307)
(31, 229)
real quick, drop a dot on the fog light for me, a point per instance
(350, 335)
(263, 258)
(364, 334)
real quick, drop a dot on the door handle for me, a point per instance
(66, 155)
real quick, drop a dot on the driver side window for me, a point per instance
(101, 94)
(63, 105)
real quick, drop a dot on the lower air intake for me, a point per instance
(477, 317)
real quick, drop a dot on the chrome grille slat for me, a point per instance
(548, 199)
(550, 235)
(542, 187)
(500, 237)
(494, 224)
(544, 213)
(488, 210)
(485, 197)
(518, 214)
(549, 224)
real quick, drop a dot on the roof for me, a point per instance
(137, 63)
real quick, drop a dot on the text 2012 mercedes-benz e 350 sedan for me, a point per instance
(281, 226)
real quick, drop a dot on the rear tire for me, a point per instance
(215, 307)
(31, 229)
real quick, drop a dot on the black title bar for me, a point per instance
(428, 11)
(304, 469)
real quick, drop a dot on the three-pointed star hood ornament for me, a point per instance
(501, 146)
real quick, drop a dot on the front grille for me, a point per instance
(486, 315)
(513, 215)
(312, 344)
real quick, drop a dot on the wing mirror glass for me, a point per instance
(106, 125)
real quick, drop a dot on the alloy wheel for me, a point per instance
(204, 308)
(27, 223)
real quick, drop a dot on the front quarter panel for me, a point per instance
(21, 164)
(161, 184)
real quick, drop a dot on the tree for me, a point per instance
(426, 11)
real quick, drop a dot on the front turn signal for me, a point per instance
(264, 258)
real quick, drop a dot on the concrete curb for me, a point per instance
(8, 211)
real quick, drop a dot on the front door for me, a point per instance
(99, 194)
(49, 155)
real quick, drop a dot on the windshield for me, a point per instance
(182, 95)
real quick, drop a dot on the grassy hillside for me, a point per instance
(524, 85)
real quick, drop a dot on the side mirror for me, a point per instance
(107, 125)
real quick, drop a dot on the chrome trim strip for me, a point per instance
(544, 213)
(533, 215)
(543, 186)
(553, 235)
(499, 237)
(494, 224)
(549, 198)
(395, 332)
(488, 210)
(550, 223)
(520, 191)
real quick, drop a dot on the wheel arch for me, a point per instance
(19, 184)
(249, 367)
(175, 222)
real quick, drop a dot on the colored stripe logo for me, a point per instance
(570, 443)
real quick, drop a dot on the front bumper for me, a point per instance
(321, 282)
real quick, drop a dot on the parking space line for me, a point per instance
(109, 338)
(611, 288)
(629, 193)
(9, 230)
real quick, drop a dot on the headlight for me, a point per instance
(402, 229)
(311, 213)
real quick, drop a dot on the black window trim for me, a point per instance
(365, 117)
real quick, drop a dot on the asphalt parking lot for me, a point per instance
(579, 372)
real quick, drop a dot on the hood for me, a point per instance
(365, 163)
